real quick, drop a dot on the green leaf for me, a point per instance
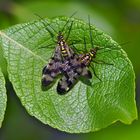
(3, 96)
(85, 108)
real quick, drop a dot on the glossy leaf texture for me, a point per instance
(85, 108)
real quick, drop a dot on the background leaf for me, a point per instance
(84, 108)
(3, 97)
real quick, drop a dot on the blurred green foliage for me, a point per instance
(118, 18)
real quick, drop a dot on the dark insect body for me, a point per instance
(63, 53)
(72, 66)
(86, 59)
(78, 67)
(53, 69)
(74, 69)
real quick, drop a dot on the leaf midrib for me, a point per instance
(21, 46)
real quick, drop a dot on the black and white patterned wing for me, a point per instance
(72, 72)
(51, 70)
(66, 82)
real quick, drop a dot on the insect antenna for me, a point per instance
(90, 33)
(101, 48)
(52, 35)
(68, 21)
(95, 72)
(50, 32)
(77, 50)
(101, 62)
(107, 50)
(112, 47)
(70, 25)
(69, 31)
(85, 48)
(124, 43)
(85, 44)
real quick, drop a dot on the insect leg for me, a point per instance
(50, 71)
(69, 31)
(102, 62)
(76, 50)
(47, 24)
(85, 48)
(95, 73)
(68, 21)
(91, 39)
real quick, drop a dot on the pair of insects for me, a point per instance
(65, 61)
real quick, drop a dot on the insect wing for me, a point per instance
(70, 52)
(50, 71)
(66, 82)
(72, 71)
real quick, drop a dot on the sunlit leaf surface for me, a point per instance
(85, 108)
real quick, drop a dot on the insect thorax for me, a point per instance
(85, 59)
